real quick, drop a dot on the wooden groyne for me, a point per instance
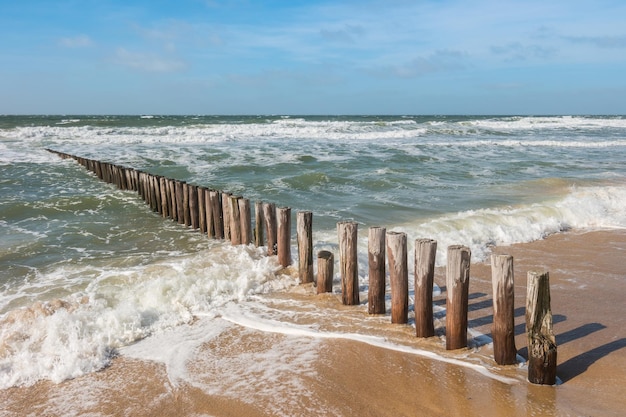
(221, 215)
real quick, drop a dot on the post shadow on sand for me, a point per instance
(575, 366)
(568, 336)
(470, 307)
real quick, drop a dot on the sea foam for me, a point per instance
(65, 338)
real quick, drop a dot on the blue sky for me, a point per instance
(313, 57)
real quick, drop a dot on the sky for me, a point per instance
(313, 57)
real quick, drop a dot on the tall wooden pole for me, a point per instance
(180, 200)
(208, 212)
(235, 220)
(245, 221)
(171, 185)
(201, 209)
(398, 276)
(283, 249)
(376, 266)
(348, 262)
(226, 214)
(165, 206)
(457, 287)
(217, 213)
(541, 340)
(425, 254)
(258, 224)
(304, 226)
(503, 328)
(269, 214)
(194, 208)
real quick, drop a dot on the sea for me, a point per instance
(88, 272)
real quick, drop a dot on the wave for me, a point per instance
(528, 131)
(67, 337)
(583, 208)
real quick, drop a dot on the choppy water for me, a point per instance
(114, 272)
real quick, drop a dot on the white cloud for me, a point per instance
(439, 61)
(148, 61)
(79, 41)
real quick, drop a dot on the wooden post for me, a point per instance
(283, 244)
(245, 221)
(202, 209)
(156, 196)
(235, 222)
(98, 171)
(173, 208)
(269, 214)
(503, 328)
(348, 262)
(304, 225)
(541, 340)
(325, 264)
(208, 212)
(186, 204)
(143, 179)
(194, 214)
(258, 224)
(398, 276)
(216, 211)
(376, 264)
(226, 214)
(457, 284)
(425, 253)
(180, 200)
(164, 197)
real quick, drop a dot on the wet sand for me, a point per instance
(249, 372)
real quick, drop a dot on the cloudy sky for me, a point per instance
(313, 57)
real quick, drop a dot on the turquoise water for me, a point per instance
(64, 235)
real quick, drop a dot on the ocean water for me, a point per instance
(87, 271)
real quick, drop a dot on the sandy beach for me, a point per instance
(380, 369)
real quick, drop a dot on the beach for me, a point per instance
(348, 363)
(109, 308)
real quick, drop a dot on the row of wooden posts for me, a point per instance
(222, 215)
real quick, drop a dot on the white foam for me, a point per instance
(266, 325)
(76, 335)
(583, 208)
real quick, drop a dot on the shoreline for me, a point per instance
(250, 371)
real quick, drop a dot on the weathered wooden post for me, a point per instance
(348, 262)
(186, 205)
(202, 209)
(226, 214)
(269, 214)
(425, 254)
(376, 266)
(208, 212)
(194, 209)
(180, 211)
(235, 220)
(164, 197)
(144, 184)
(245, 221)
(258, 224)
(457, 284)
(503, 328)
(325, 265)
(305, 245)
(218, 215)
(173, 199)
(283, 244)
(155, 193)
(541, 340)
(398, 276)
